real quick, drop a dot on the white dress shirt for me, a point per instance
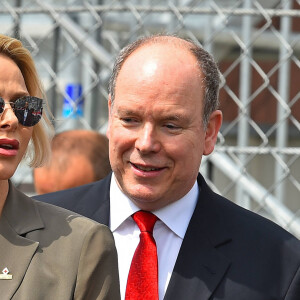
(168, 232)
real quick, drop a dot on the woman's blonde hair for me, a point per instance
(40, 139)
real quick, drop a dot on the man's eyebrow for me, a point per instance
(126, 111)
(163, 117)
(174, 117)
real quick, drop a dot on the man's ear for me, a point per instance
(109, 116)
(212, 129)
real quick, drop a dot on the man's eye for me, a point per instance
(172, 126)
(128, 120)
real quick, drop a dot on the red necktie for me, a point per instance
(142, 282)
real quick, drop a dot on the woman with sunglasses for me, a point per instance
(45, 252)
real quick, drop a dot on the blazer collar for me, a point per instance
(200, 266)
(21, 212)
(19, 216)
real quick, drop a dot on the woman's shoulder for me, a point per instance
(54, 214)
(66, 229)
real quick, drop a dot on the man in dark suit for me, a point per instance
(163, 118)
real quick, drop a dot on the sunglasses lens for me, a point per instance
(28, 110)
(2, 105)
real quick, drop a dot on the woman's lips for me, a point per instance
(9, 147)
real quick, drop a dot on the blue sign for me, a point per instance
(73, 101)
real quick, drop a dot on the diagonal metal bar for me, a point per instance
(99, 53)
(279, 211)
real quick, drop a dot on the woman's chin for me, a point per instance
(6, 173)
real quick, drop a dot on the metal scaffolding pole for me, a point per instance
(16, 30)
(55, 58)
(259, 194)
(99, 53)
(241, 197)
(207, 169)
(282, 107)
(88, 80)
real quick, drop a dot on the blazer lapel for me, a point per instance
(19, 216)
(200, 266)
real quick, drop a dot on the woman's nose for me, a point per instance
(8, 119)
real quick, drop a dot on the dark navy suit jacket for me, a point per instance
(227, 253)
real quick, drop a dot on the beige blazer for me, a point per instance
(53, 253)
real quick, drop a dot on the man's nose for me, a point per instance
(147, 140)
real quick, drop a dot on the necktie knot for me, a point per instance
(145, 220)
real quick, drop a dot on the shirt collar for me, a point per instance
(176, 215)
(120, 205)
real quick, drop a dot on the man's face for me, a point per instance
(156, 133)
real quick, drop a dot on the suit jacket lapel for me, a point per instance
(102, 213)
(200, 266)
(19, 217)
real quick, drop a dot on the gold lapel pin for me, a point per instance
(5, 274)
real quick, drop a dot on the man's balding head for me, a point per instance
(78, 157)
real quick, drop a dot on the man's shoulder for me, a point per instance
(83, 199)
(232, 219)
(255, 225)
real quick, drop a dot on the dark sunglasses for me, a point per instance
(27, 109)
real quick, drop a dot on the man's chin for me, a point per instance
(145, 199)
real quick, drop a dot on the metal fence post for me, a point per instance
(242, 197)
(282, 108)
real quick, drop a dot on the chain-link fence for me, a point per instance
(257, 45)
